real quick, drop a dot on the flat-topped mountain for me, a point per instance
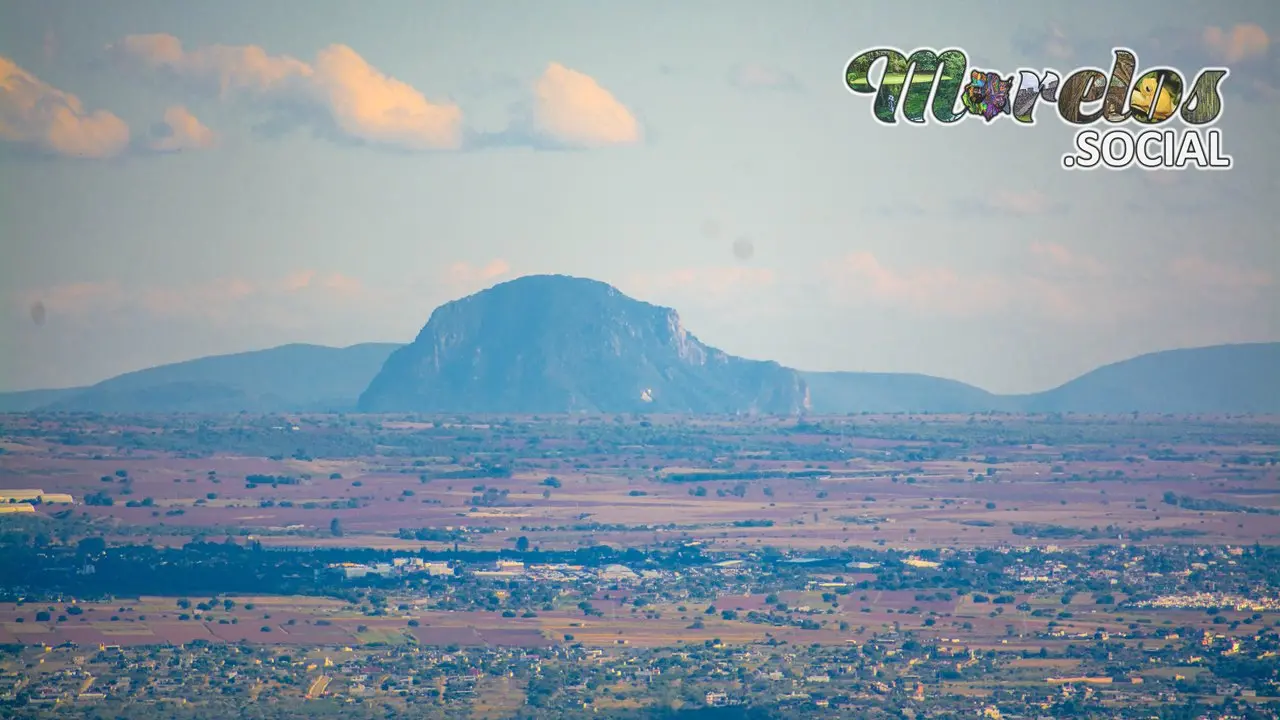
(553, 343)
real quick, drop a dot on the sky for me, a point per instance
(186, 179)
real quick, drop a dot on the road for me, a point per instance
(318, 687)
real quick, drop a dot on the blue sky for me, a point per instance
(183, 179)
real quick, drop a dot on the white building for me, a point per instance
(617, 572)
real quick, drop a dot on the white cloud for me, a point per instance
(358, 100)
(707, 285)
(571, 109)
(1051, 283)
(37, 115)
(179, 131)
(469, 278)
(1242, 42)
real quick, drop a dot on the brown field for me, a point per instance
(309, 621)
(1092, 481)
(902, 503)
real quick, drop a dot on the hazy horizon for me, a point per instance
(184, 181)
(693, 331)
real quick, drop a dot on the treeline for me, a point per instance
(1062, 532)
(480, 472)
(272, 480)
(712, 476)
(91, 569)
(1187, 502)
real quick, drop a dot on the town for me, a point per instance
(886, 566)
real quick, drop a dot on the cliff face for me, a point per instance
(552, 343)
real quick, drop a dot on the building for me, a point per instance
(23, 495)
(56, 499)
(437, 568)
(497, 573)
(618, 572)
(356, 570)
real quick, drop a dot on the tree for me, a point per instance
(335, 527)
(92, 546)
(522, 544)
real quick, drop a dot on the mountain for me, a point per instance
(28, 400)
(286, 378)
(553, 343)
(1242, 378)
(845, 392)
(550, 343)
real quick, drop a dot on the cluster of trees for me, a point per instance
(272, 480)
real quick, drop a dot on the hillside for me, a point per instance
(1241, 378)
(553, 343)
(290, 377)
(845, 392)
(28, 400)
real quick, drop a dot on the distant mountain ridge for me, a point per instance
(844, 392)
(1240, 378)
(296, 377)
(556, 343)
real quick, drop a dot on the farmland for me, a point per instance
(963, 562)
(896, 481)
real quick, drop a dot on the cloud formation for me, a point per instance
(467, 276)
(218, 296)
(1052, 283)
(1061, 258)
(304, 304)
(861, 277)
(339, 88)
(1245, 48)
(571, 109)
(1241, 42)
(37, 116)
(1209, 274)
(715, 281)
(180, 131)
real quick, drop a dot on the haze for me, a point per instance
(181, 180)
